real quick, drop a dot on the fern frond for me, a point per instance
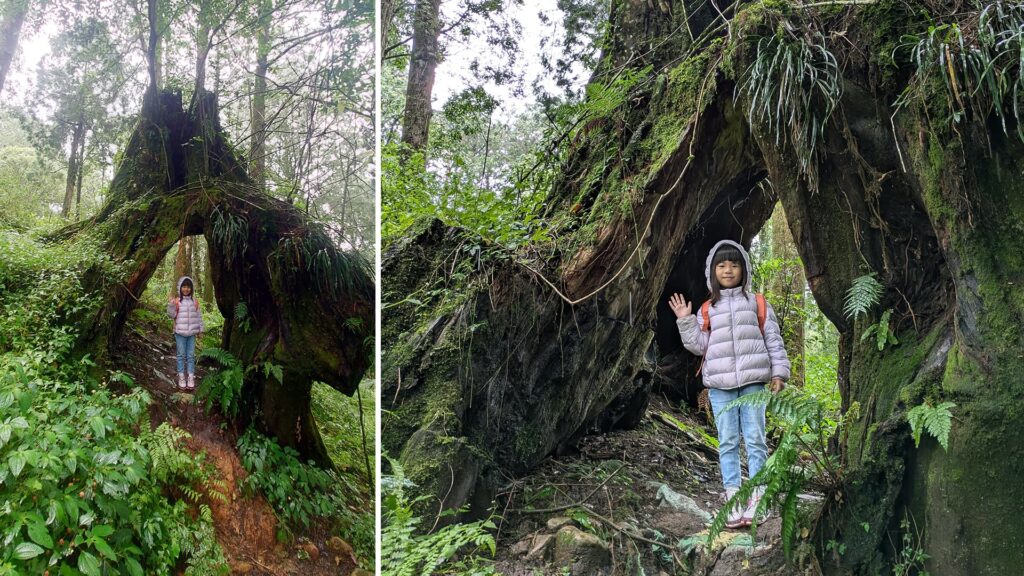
(864, 293)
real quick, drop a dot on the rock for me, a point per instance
(556, 523)
(335, 544)
(669, 498)
(538, 545)
(311, 550)
(360, 572)
(583, 553)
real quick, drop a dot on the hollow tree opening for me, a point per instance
(308, 306)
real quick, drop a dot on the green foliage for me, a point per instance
(222, 388)
(408, 553)
(910, 558)
(979, 69)
(792, 87)
(82, 490)
(302, 493)
(231, 233)
(862, 295)
(883, 333)
(936, 420)
(801, 459)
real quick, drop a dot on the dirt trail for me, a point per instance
(245, 527)
(568, 516)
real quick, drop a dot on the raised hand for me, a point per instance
(680, 307)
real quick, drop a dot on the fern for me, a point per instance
(785, 473)
(862, 295)
(937, 421)
(222, 388)
(406, 553)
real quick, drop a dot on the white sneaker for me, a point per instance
(751, 510)
(181, 381)
(735, 516)
(191, 382)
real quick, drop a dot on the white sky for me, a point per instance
(453, 75)
(31, 51)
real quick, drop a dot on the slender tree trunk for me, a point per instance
(10, 30)
(257, 141)
(78, 184)
(72, 177)
(423, 62)
(789, 284)
(207, 274)
(387, 16)
(153, 50)
(202, 46)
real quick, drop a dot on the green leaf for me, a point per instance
(103, 547)
(98, 426)
(134, 568)
(40, 535)
(17, 463)
(88, 564)
(27, 550)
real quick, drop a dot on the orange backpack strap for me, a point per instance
(762, 311)
(706, 315)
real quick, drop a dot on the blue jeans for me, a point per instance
(750, 421)
(186, 352)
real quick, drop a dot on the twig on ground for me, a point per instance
(575, 504)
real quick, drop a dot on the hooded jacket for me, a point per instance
(188, 318)
(735, 352)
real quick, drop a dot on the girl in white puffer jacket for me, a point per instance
(743, 350)
(188, 324)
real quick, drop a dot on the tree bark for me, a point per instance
(77, 138)
(257, 141)
(309, 305)
(13, 17)
(422, 63)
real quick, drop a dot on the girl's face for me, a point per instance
(728, 273)
(186, 290)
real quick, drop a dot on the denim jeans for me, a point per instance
(186, 352)
(748, 420)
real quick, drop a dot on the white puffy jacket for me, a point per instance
(735, 352)
(188, 318)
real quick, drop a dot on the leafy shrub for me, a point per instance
(302, 493)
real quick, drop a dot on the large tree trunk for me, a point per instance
(308, 306)
(13, 17)
(496, 371)
(422, 63)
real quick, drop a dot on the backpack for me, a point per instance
(762, 314)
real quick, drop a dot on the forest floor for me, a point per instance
(246, 526)
(570, 515)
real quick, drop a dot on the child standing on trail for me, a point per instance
(737, 333)
(188, 322)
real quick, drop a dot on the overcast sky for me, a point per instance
(453, 73)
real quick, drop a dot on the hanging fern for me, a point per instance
(980, 69)
(865, 292)
(936, 420)
(792, 87)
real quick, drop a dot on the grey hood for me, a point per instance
(747, 272)
(192, 295)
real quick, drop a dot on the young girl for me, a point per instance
(740, 357)
(188, 322)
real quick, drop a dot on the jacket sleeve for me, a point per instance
(776, 347)
(171, 307)
(694, 339)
